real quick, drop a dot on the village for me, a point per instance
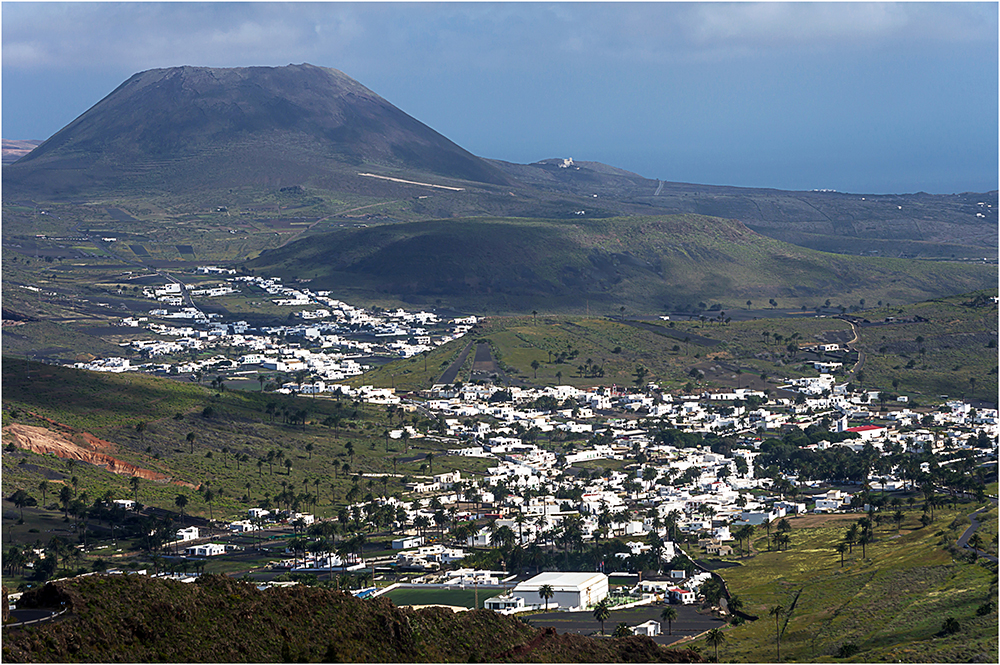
(668, 484)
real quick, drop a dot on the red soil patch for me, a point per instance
(43, 441)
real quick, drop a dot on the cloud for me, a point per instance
(470, 35)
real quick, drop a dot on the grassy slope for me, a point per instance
(508, 264)
(110, 405)
(956, 342)
(890, 604)
(959, 343)
(132, 619)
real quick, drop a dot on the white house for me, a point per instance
(407, 542)
(190, 533)
(650, 629)
(507, 604)
(208, 549)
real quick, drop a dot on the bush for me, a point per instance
(847, 650)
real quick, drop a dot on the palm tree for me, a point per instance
(20, 499)
(851, 537)
(545, 592)
(669, 614)
(622, 630)
(864, 539)
(976, 542)
(841, 548)
(181, 501)
(190, 439)
(777, 612)
(714, 638)
(734, 603)
(65, 496)
(602, 612)
(209, 498)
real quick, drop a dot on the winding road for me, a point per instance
(963, 540)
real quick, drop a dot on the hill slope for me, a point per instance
(643, 262)
(200, 127)
(223, 620)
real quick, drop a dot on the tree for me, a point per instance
(535, 365)
(711, 589)
(669, 614)
(864, 539)
(714, 638)
(430, 462)
(734, 603)
(841, 548)
(140, 427)
(181, 502)
(976, 542)
(622, 630)
(602, 612)
(20, 499)
(777, 612)
(191, 436)
(65, 496)
(43, 487)
(209, 498)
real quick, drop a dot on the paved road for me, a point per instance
(963, 541)
(688, 623)
(451, 373)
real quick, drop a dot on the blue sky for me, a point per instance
(859, 97)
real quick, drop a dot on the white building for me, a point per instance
(650, 629)
(208, 549)
(190, 533)
(571, 590)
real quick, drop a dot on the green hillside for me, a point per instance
(886, 603)
(641, 263)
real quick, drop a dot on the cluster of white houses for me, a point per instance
(324, 344)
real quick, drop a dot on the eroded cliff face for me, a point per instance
(77, 445)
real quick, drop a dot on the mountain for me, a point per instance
(203, 127)
(645, 263)
(133, 619)
(194, 139)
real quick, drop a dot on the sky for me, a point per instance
(856, 97)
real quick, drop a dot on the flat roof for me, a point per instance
(559, 580)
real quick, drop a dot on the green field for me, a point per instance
(455, 597)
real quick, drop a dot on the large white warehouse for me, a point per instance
(571, 590)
